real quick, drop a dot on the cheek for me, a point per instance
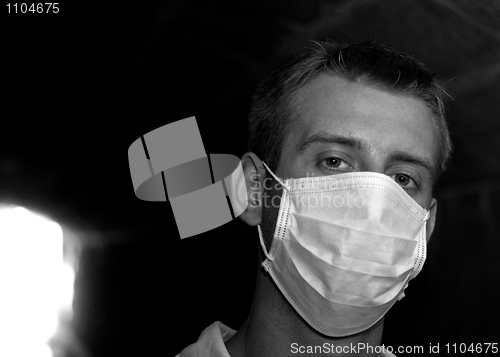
(271, 201)
(424, 199)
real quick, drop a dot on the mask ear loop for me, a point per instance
(268, 256)
(261, 236)
(285, 186)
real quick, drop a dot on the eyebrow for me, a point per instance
(327, 138)
(323, 137)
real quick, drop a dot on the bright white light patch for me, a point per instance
(34, 283)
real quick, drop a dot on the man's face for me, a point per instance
(343, 126)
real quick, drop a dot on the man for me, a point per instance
(346, 144)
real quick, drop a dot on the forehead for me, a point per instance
(386, 121)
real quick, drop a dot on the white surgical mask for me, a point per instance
(345, 248)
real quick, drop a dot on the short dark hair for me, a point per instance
(270, 119)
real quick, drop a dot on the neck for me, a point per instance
(275, 329)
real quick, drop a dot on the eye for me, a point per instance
(405, 181)
(334, 164)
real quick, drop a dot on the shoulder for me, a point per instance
(211, 342)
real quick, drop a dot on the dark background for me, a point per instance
(80, 86)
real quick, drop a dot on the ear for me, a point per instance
(432, 219)
(255, 174)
